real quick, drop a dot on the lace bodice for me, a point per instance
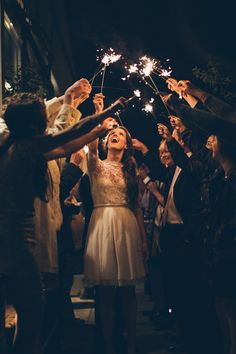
(107, 182)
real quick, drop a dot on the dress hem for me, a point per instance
(90, 283)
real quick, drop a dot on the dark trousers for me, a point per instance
(191, 298)
(24, 291)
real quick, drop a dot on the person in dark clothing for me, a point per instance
(24, 155)
(69, 177)
(180, 240)
(221, 235)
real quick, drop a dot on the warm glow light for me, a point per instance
(148, 108)
(137, 93)
(110, 57)
(147, 65)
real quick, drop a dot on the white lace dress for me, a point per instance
(113, 253)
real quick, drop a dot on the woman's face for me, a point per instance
(165, 155)
(214, 147)
(117, 139)
(209, 142)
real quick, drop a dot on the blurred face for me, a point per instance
(215, 147)
(143, 171)
(209, 142)
(117, 139)
(165, 155)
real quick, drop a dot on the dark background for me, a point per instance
(186, 32)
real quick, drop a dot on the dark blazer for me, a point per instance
(187, 188)
(222, 235)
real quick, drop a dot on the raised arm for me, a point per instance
(49, 142)
(174, 86)
(98, 102)
(211, 102)
(61, 115)
(175, 148)
(151, 159)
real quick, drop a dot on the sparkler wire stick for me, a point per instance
(162, 77)
(103, 76)
(158, 94)
(94, 76)
(119, 119)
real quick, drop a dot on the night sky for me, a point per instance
(186, 32)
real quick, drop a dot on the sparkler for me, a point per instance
(137, 94)
(97, 72)
(119, 119)
(148, 67)
(108, 58)
(148, 108)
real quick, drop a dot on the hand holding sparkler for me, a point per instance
(189, 89)
(79, 91)
(177, 136)
(173, 86)
(185, 89)
(98, 102)
(164, 132)
(118, 105)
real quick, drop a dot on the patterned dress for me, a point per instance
(114, 249)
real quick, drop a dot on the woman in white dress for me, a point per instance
(116, 244)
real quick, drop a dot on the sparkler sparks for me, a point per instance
(148, 108)
(137, 93)
(144, 69)
(165, 73)
(108, 58)
(147, 65)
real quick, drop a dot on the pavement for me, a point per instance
(80, 337)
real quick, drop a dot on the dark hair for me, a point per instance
(25, 117)
(227, 150)
(129, 170)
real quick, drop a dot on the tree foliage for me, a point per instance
(216, 80)
(27, 80)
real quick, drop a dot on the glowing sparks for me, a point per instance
(165, 73)
(147, 65)
(148, 108)
(110, 57)
(137, 93)
(133, 68)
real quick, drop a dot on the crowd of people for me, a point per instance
(164, 217)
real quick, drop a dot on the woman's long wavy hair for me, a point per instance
(129, 169)
(25, 117)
